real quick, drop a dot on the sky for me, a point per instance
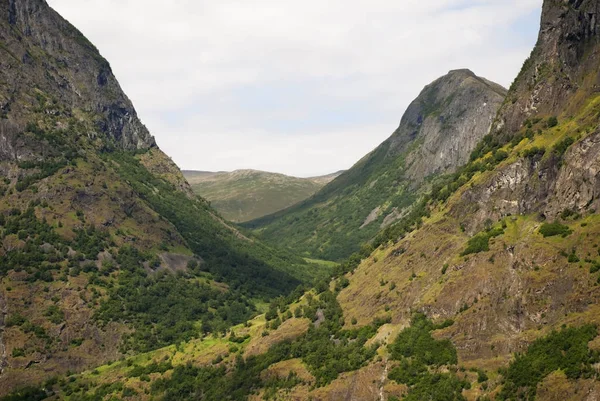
(303, 88)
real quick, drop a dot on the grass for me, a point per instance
(247, 195)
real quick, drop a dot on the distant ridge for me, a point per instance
(247, 194)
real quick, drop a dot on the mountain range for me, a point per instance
(437, 134)
(466, 246)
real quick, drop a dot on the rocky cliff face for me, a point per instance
(560, 80)
(446, 122)
(564, 62)
(436, 135)
(48, 66)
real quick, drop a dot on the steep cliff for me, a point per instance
(49, 64)
(554, 104)
(436, 135)
(94, 218)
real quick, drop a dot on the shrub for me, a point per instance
(17, 352)
(560, 148)
(481, 376)
(26, 394)
(566, 350)
(416, 342)
(480, 242)
(534, 152)
(554, 229)
(552, 122)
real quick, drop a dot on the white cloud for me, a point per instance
(296, 87)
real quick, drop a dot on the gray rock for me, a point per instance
(49, 67)
(559, 78)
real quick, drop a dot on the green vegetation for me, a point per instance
(246, 195)
(552, 122)
(26, 394)
(31, 257)
(417, 343)
(419, 354)
(164, 308)
(327, 350)
(566, 350)
(481, 242)
(534, 152)
(560, 148)
(554, 229)
(258, 269)
(329, 225)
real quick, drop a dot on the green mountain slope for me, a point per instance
(436, 135)
(104, 248)
(489, 290)
(244, 195)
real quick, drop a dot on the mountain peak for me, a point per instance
(438, 117)
(51, 69)
(461, 71)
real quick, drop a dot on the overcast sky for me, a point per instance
(298, 87)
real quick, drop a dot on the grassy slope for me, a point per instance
(247, 194)
(328, 225)
(500, 300)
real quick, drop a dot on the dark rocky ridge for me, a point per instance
(563, 62)
(44, 54)
(561, 78)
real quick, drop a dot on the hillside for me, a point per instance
(94, 219)
(244, 195)
(488, 289)
(437, 133)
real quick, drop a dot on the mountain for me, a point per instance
(508, 249)
(244, 195)
(488, 289)
(437, 133)
(104, 249)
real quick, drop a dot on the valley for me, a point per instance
(458, 261)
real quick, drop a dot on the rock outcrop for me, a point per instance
(445, 123)
(564, 62)
(48, 66)
(560, 80)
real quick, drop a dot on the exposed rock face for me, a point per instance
(49, 66)
(563, 62)
(437, 134)
(562, 78)
(446, 122)
(534, 186)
